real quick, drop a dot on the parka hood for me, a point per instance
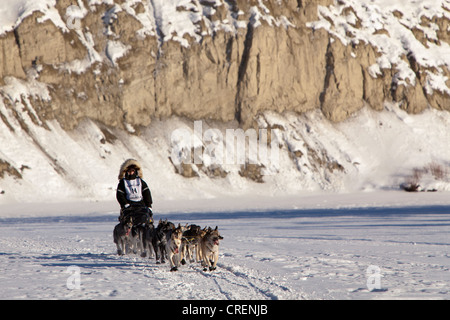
(126, 165)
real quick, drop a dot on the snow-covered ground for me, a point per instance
(285, 238)
(317, 246)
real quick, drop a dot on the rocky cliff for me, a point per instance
(126, 63)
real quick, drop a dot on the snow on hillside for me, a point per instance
(167, 19)
(388, 26)
(12, 13)
(370, 151)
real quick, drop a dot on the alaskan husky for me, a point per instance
(210, 248)
(122, 236)
(190, 241)
(173, 247)
(159, 239)
(148, 235)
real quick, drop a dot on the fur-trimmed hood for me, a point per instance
(128, 163)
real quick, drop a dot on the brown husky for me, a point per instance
(173, 247)
(210, 248)
(190, 242)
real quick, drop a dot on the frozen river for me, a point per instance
(358, 253)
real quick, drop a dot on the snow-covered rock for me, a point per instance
(85, 85)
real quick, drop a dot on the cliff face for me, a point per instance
(125, 62)
(74, 74)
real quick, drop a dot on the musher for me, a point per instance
(133, 193)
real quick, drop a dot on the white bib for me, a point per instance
(133, 189)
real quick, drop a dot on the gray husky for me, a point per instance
(159, 239)
(122, 236)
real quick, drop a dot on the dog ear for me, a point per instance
(216, 228)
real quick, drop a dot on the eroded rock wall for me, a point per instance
(125, 63)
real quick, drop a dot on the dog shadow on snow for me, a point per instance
(89, 261)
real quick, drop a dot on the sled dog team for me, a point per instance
(136, 231)
(177, 244)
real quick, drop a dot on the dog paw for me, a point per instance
(174, 269)
(183, 262)
(212, 268)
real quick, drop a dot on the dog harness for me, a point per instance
(133, 189)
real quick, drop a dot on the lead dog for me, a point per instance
(210, 248)
(190, 242)
(122, 236)
(173, 247)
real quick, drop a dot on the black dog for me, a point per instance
(159, 239)
(122, 236)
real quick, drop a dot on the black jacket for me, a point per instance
(121, 195)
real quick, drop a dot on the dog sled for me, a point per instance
(136, 233)
(140, 215)
(129, 233)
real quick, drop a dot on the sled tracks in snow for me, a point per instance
(227, 282)
(251, 284)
